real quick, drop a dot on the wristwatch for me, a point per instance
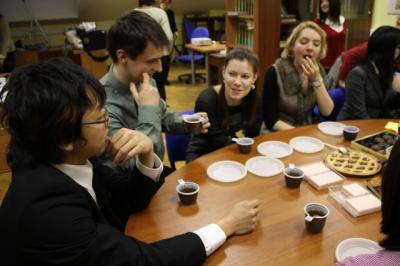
(316, 83)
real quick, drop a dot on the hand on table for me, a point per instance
(242, 218)
(127, 143)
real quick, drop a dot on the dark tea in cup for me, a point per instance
(315, 217)
(245, 144)
(193, 122)
(293, 177)
(350, 132)
(187, 192)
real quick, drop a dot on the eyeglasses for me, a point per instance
(103, 121)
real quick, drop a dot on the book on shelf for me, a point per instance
(288, 20)
(245, 34)
(244, 7)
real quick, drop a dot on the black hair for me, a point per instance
(146, 2)
(250, 102)
(132, 32)
(391, 201)
(381, 50)
(43, 107)
(334, 12)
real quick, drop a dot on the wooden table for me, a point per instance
(206, 50)
(280, 238)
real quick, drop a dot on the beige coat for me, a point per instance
(6, 43)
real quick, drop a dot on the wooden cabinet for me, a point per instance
(255, 24)
(82, 58)
(358, 14)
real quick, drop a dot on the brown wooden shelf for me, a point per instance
(249, 17)
(232, 46)
(289, 22)
(264, 32)
(243, 17)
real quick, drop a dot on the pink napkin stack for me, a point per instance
(359, 200)
(320, 176)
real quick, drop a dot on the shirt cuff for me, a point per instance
(212, 237)
(153, 173)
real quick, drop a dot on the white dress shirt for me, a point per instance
(211, 235)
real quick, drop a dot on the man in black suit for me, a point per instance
(63, 206)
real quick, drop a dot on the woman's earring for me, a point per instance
(253, 86)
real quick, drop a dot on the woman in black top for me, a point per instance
(369, 89)
(231, 106)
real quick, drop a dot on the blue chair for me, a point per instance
(338, 97)
(187, 58)
(177, 144)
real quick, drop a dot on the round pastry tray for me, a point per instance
(353, 163)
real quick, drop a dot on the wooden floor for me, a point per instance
(180, 97)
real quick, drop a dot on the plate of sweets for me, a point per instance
(353, 163)
(376, 144)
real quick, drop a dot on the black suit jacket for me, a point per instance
(365, 96)
(46, 218)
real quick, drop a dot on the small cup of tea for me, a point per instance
(315, 217)
(193, 122)
(350, 132)
(244, 144)
(293, 176)
(187, 192)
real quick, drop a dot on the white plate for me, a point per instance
(226, 171)
(332, 128)
(306, 144)
(354, 247)
(275, 149)
(264, 166)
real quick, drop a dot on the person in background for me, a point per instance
(350, 59)
(294, 83)
(231, 107)
(63, 207)
(7, 48)
(159, 15)
(390, 255)
(136, 44)
(165, 5)
(335, 28)
(369, 92)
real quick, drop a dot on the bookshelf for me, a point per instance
(255, 24)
